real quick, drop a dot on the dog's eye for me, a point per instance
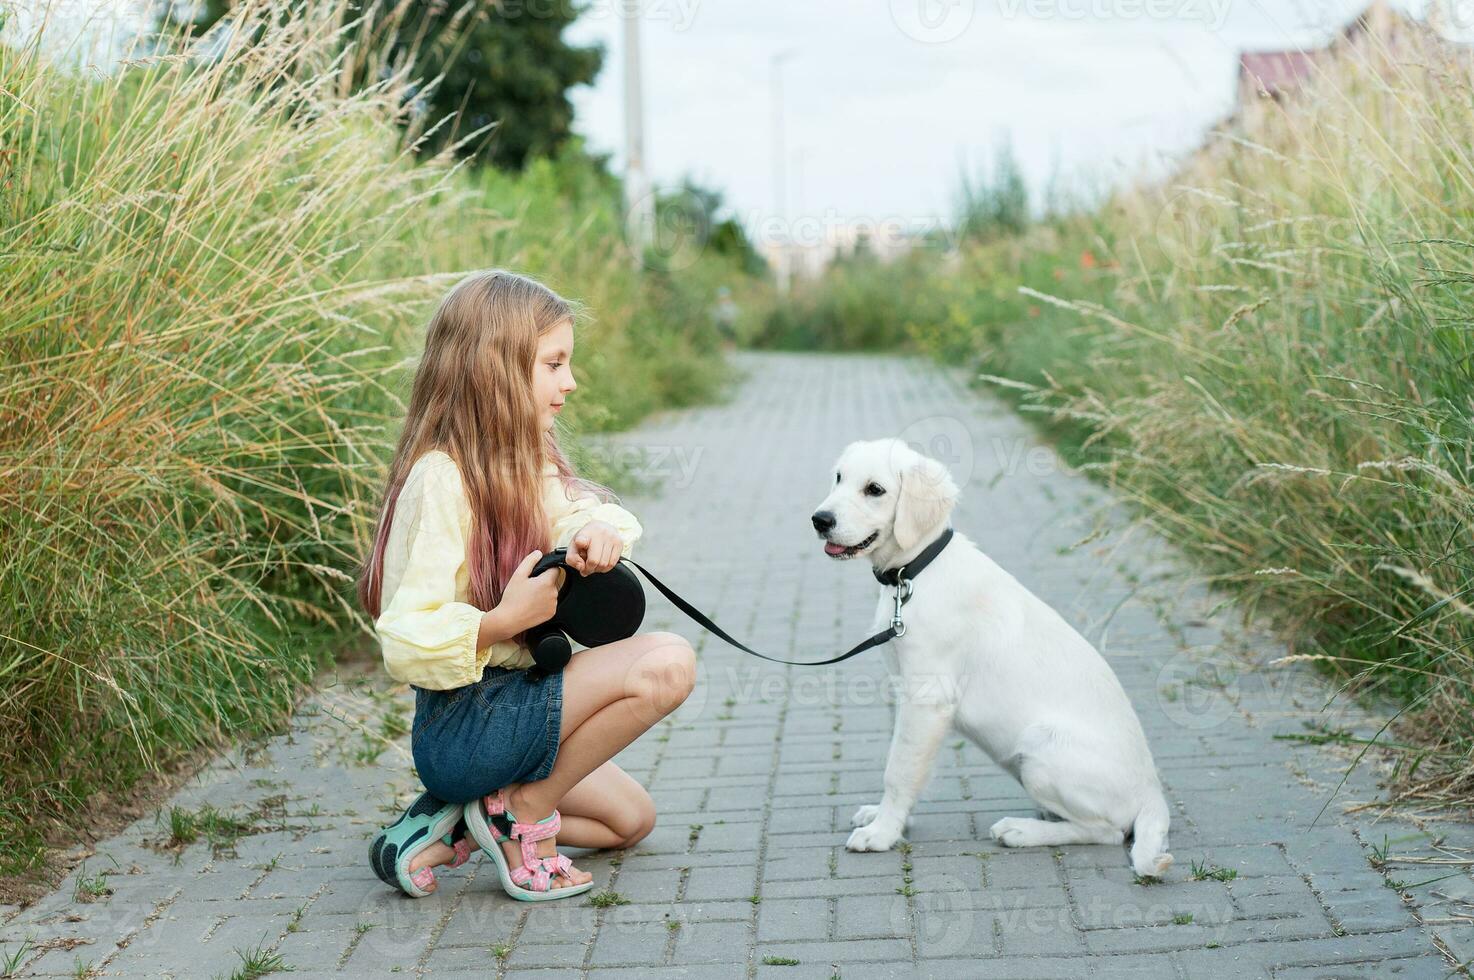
(836, 478)
(874, 490)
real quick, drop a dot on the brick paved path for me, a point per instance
(757, 775)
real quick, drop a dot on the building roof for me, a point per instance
(1278, 71)
(1284, 70)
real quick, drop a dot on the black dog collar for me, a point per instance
(913, 568)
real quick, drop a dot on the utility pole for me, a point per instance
(780, 196)
(639, 206)
(799, 157)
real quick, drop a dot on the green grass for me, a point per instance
(1203, 871)
(219, 829)
(608, 898)
(11, 959)
(1269, 357)
(257, 963)
(90, 888)
(215, 280)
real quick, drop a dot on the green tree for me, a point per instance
(995, 205)
(192, 18)
(505, 65)
(699, 210)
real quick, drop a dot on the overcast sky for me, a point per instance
(884, 100)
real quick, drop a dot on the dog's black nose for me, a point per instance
(823, 522)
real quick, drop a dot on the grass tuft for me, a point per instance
(608, 898)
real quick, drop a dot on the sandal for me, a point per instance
(492, 824)
(427, 820)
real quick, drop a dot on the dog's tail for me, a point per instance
(1149, 855)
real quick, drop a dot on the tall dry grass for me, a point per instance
(213, 278)
(1272, 354)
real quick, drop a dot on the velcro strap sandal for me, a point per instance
(427, 820)
(492, 825)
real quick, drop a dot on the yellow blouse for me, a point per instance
(427, 625)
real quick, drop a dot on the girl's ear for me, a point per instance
(927, 496)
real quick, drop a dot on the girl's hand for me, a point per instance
(597, 547)
(529, 601)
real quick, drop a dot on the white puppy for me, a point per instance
(984, 655)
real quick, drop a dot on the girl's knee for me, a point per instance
(668, 671)
(637, 822)
(666, 643)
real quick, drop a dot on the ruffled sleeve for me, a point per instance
(428, 637)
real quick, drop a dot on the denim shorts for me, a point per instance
(470, 741)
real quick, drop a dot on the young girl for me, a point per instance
(478, 491)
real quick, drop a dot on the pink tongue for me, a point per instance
(833, 549)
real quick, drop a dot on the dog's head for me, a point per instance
(886, 499)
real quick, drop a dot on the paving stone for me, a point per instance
(568, 955)
(718, 884)
(628, 945)
(772, 761)
(63, 961)
(480, 960)
(315, 949)
(872, 917)
(712, 942)
(781, 919)
(649, 886)
(725, 971)
(854, 950)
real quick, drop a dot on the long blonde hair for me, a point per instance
(473, 399)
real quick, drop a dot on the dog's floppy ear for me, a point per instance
(927, 496)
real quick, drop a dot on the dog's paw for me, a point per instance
(874, 836)
(864, 815)
(1012, 832)
(1156, 867)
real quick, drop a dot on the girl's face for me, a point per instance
(552, 372)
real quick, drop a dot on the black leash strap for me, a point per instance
(700, 617)
(898, 577)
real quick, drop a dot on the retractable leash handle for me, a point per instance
(599, 609)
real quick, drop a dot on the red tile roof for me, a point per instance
(1278, 71)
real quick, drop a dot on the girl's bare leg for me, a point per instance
(607, 809)
(612, 694)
